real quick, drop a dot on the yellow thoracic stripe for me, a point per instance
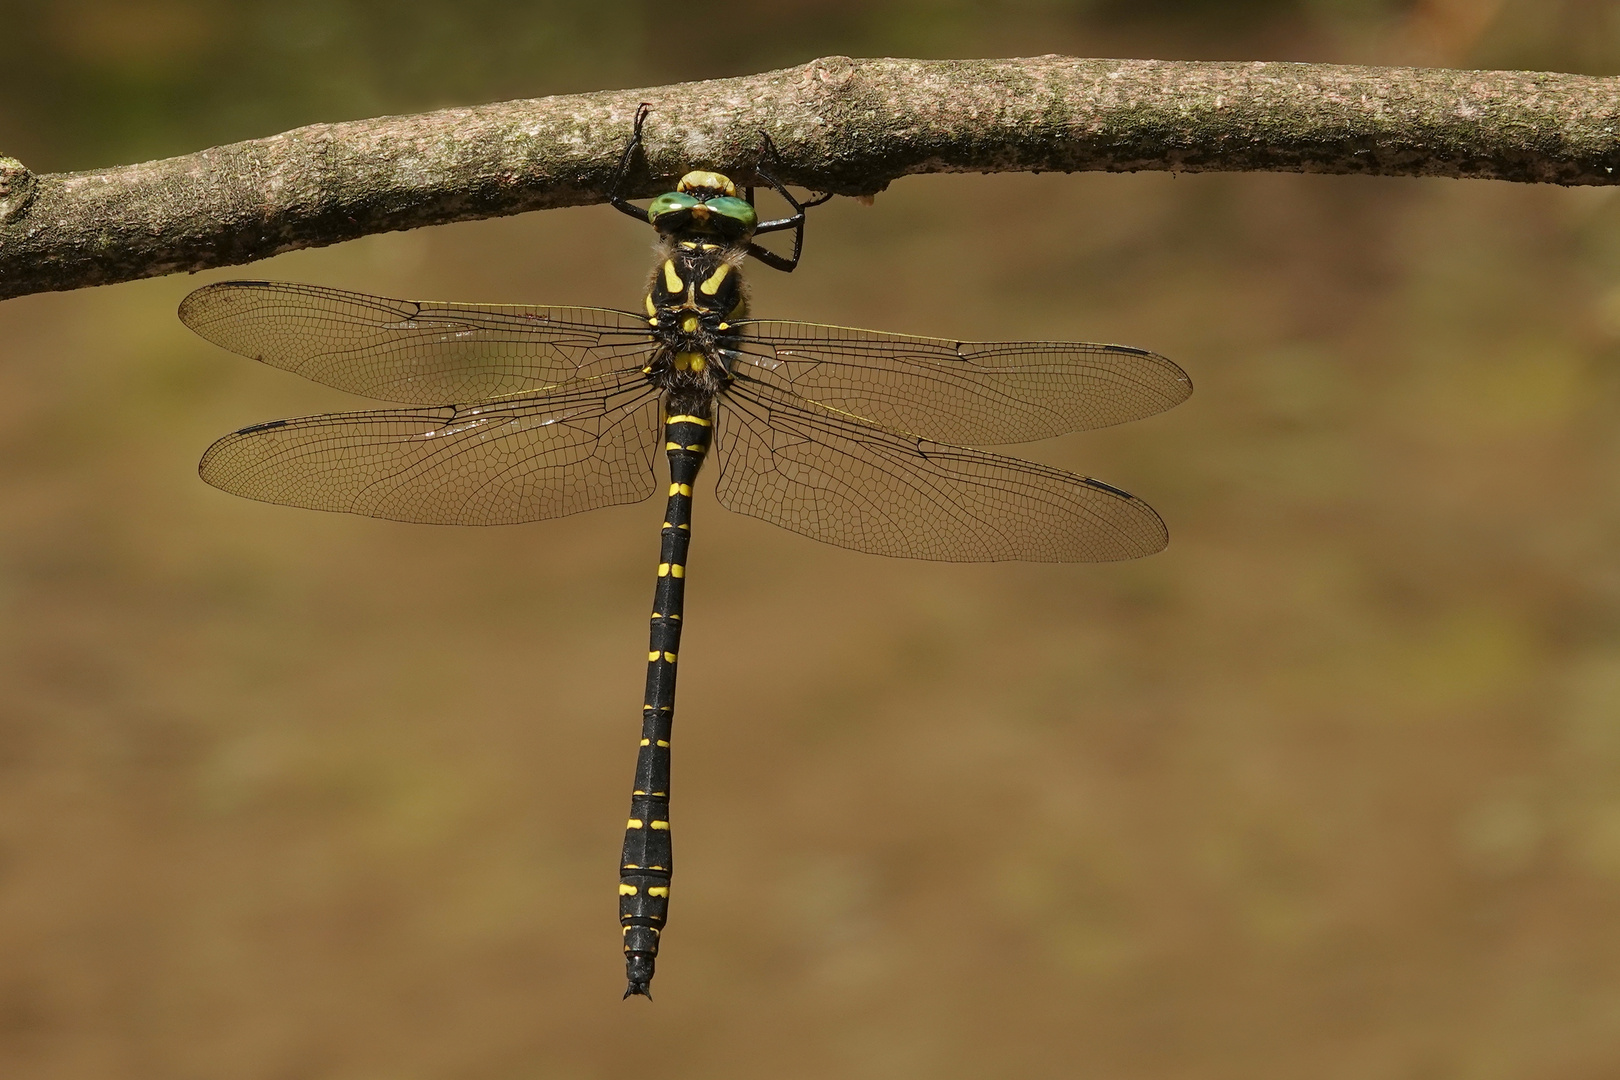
(672, 280)
(712, 284)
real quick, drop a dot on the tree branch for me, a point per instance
(847, 126)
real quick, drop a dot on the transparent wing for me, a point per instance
(421, 352)
(493, 463)
(973, 393)
(832, 477)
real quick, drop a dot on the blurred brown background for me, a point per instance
(1329, 789)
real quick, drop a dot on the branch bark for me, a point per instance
(846, 126)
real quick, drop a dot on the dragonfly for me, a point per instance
(516, 413)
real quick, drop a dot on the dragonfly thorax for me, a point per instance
(695, 293)
(694, 297)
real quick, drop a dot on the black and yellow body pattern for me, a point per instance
(694, 291)
(859, 438)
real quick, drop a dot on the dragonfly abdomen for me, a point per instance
(648, 860)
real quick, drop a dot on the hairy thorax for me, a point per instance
(694, 298)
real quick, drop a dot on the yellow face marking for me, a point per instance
(676, 569)
(631, 890)
(702, 180)
(652, 311)
(712, 283)
(660, 826)
(680, 489)
(633, 823)
(689, 324)
(672, 280)
(658, 890)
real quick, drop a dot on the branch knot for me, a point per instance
(17, 187)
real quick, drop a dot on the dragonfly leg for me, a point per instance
(616, 190)
(796, 222)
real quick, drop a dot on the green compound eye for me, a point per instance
(669, 203)
(735, 211)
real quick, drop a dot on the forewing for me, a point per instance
(493, 463)
(972, 393)
(421, 352)
(829, 476)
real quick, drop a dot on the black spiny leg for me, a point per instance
(648, 862)
(796, 222)
(615, 191)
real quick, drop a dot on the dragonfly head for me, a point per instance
(706, 203)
